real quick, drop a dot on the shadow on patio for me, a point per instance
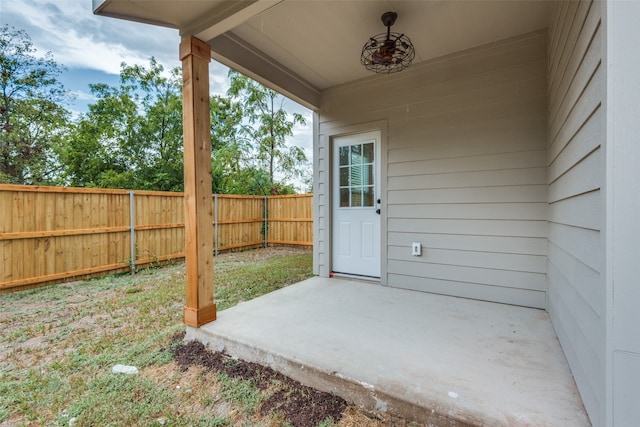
(436, 359)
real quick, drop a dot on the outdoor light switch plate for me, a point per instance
(416, 249)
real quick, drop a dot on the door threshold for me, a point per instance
(358, 277)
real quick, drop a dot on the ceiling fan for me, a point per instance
(388, 52)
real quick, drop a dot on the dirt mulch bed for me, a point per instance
(300, 405)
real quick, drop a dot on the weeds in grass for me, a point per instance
(60, 342)
(243, 392)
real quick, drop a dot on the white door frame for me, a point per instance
(327, 140)
(355, 208)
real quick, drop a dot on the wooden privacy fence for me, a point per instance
(53, 234)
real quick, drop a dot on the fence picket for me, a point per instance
(55, 234)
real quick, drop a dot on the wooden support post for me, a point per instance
(198, 204)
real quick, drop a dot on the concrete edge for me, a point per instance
(360, 394)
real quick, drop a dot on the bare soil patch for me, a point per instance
(300, 405)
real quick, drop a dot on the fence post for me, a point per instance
(132, 227)
(215, 224)
(266, 224)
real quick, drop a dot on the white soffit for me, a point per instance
(321, 40)
(172, 14)
(301, 47)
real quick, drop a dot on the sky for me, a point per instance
(91, 49)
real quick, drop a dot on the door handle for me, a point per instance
(378, 211)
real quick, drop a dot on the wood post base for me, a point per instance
(197, 317)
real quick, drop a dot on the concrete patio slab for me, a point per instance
(436, 359)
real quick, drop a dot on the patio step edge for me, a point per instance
(353, 391)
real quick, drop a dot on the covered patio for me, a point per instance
(435, 359)
(501, 166)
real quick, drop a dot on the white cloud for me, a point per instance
(81, 95)
(302, 134)
(219, 82)
(79, 39)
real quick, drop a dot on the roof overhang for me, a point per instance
(301, 48)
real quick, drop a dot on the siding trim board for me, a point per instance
(621, 228)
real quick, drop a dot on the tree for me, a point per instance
(228, 147)
(268, 127)
(132, 136)
(31, 113)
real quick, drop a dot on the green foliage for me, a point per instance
(240, 391)
(228, 149)
(32, 117)
(132, 136)
(268, 126)
(327, 423)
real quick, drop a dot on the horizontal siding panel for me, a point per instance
(424, 116)
(588, 138)
(585, 366)
(575, 255)
(513, 194)
(579, 276)
(495, 244)
(484, 88)
(583, 211)
(559, 44)
(570, 39)
(573, 116)
(506, 211)
(523, 297)
(475, 97)
(473, 227)
(557, 28)
(469, 179)
(467, 113)
(584, 245)
(564, 296)
(484, 276)
(584, 177)
(583, 60)
(500, 261)
(524, 159)
(589, 320)
(495, 135)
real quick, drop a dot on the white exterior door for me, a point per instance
(356, 206)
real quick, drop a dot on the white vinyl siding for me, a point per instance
(465, 171)
(576, 205)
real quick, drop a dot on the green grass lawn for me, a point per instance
(59, 343)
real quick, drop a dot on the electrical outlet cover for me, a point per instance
(416, 249)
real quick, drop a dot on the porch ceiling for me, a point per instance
(303, 47)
